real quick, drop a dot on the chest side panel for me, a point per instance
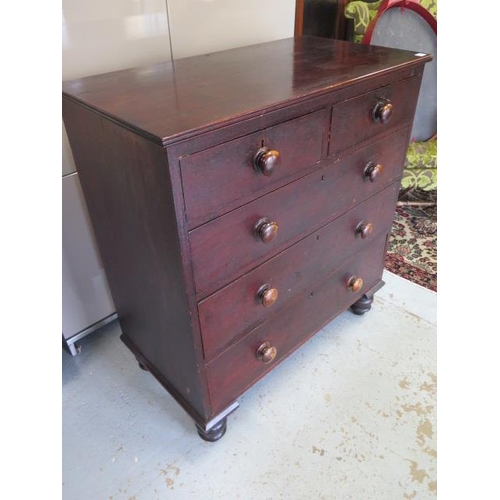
(125, 180)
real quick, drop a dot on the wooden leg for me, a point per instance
(362, 305)
(214, 429)
(215, 432)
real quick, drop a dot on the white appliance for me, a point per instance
(97, 37)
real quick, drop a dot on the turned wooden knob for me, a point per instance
(364, 229)
(266, 352)
(266, 230)
(267, 160)
(372, 171)
(354, 284)
(382, 111)
(267, 296)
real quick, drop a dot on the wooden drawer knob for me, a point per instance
(382, 111)
(364, 229)
(266, 230)
(372, 171)
(267, 160)
(355, 284)
(267, 296)
(266, 352)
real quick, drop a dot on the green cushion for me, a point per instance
(362, 14)
(431, 6)
(421, 166)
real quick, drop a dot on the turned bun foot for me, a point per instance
(215, 433)
(364, 304)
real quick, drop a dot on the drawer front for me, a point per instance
(224, 177)
(229, 246)
(236, 369)
(229, 313)
(353, 120)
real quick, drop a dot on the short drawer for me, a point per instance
(229, 313)
(363, 117)
(230, 246)
(236, 369)
(226, 176)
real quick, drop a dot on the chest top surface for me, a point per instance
(172, 100)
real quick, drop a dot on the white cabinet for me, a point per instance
(86, 301)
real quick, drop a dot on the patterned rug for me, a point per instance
(412, 252)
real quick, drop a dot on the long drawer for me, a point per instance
(237, 368)
(363, 114)
(240, 306)
(224, 249)
(221, 178)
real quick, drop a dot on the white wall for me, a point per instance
(100, 36)
(201, 26)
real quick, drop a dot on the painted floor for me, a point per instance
(350, 415)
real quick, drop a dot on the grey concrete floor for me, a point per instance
(350, 415)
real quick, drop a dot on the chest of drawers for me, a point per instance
(241, 200)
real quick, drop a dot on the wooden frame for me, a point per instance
(299, 17)
(413, 5)
(339, 22)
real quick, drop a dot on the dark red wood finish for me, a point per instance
(174, 100)
(224, 177)
(359, 112)
(164, 156)
(125, 180)
(231, 373)
(229, 313)
(277, 115)
(227, 247)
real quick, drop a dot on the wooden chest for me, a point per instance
(241, 200)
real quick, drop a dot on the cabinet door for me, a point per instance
(85, 295)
